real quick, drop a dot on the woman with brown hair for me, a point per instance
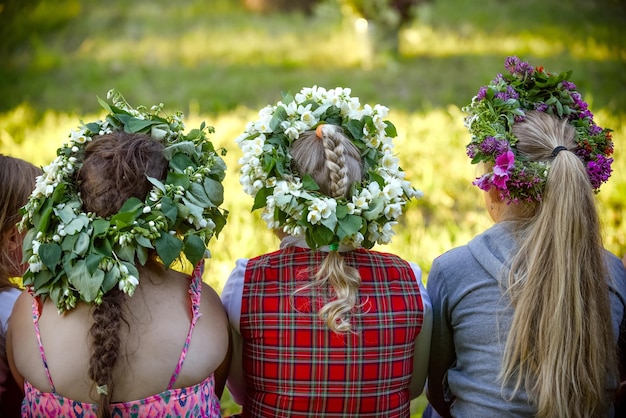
(17, 180)
(117, 332)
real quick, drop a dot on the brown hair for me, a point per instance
(115, 168)
(560, 346)
(17, 181)
(334, 162)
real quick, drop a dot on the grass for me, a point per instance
(220, 63)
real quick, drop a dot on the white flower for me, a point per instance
(393, 211)
(147, 209)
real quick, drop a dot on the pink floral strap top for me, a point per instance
(195, 401)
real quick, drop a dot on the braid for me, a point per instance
(336, 162)
(105, 336)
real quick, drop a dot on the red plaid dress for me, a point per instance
(295, 366)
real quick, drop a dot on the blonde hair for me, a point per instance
(334, 162)
(560, 346)
(17, 181)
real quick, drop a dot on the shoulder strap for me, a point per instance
(195, 292)
(37, 307)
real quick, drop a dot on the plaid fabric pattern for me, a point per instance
(296, 367)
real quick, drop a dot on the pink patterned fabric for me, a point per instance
(195, 401)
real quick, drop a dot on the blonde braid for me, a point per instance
(334, 162)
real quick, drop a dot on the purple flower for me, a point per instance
(504, 163)
(541, 107)
(471, 150)
(599, 170)
(510, 63)
(482, 93)
(568, 85)
(489, 145)
(594, 129)
(483, 182)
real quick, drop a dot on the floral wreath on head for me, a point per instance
(503, 102)
(294, 203)
(76, 256)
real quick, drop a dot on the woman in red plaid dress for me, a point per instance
(325, 326)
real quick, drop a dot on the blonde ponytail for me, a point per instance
(560, 347)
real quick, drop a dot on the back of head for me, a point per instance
(546, 159)
(331, 159)
(114, 169)
(324, 169)
(17, 181)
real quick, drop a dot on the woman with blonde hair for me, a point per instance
(325, 326)
(106, 327)
(527, 314)
(17, 181)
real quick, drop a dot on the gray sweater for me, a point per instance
(471, 319)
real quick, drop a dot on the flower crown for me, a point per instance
(77, 256)
(294, 203)
(503, 102)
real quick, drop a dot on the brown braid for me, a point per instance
(115, 168)
(106, 341)
(336, 162)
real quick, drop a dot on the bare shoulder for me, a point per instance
(212, 302)
(22, 313)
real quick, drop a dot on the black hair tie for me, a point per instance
(557, 150)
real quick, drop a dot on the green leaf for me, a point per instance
(330, 222)
(41, 220)
(66, 214)
(169, 209)
(69, 242)
(180, 162)
(184, 147)
(92, 262)
(194, 249)
(280, 114)
(82, 244)
(319, 236)
(133, 125)
(157, 183)
(260, 199)
(348, 226)
(105, 106)
(375, 209)
(168, 248)
(196, 195)
(142, 255)
(390, 129)
(111, 278)
(215, 190)
(77, 224)
(355, 127)
(50, 254)
(308, 183)
(341, 211)
(126, 252)
(86, 284)
(42, 278)
(100, 227)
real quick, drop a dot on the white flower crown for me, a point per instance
(76, 256)
(293, 203)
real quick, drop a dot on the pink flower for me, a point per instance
(504, 163)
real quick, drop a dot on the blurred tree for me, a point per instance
(384, 21)
(280, 5)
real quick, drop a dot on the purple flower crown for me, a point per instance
(503, 102)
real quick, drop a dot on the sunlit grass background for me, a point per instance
(220, 63)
